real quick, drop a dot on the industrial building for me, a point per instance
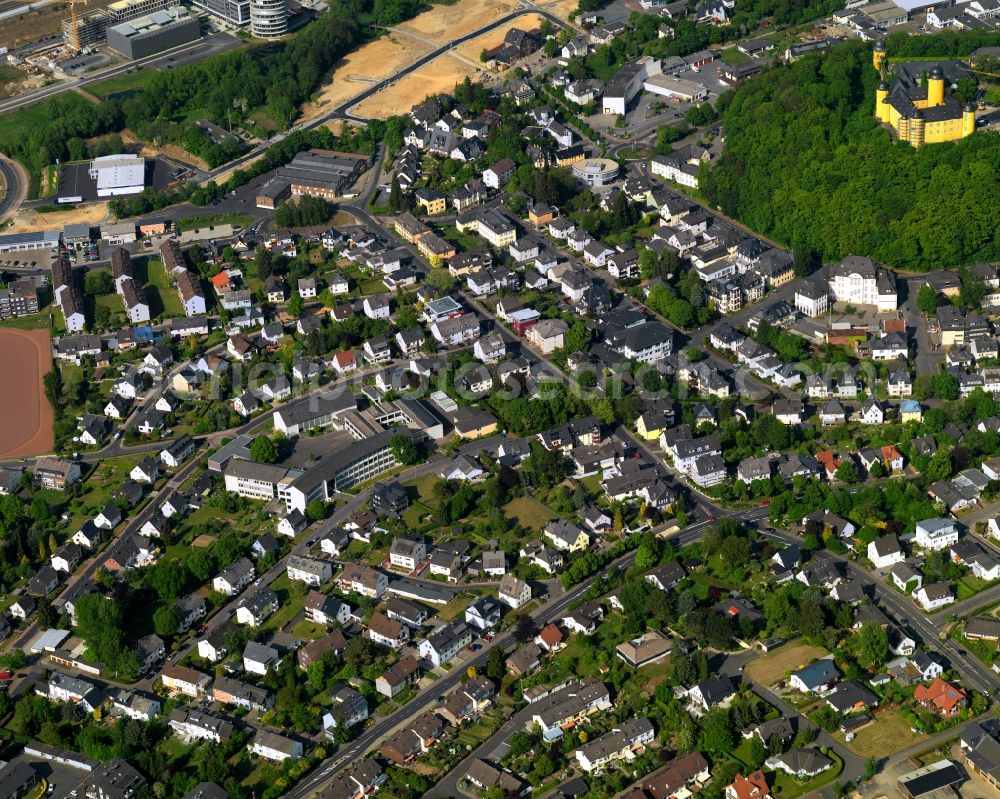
(119, 174)
(268, 18)
(316, 173)
(676, 88)
(154, 33)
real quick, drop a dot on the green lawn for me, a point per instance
(129, 82)
(425, 489)
(213, 220)
(889, 734)
(462, 241)
(733, 57)
(48, 319)
(528, 512)
(969, 586)
(162, 296)
(308, 629)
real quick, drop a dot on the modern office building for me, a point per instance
(124, 10)
(268, 18)
(232, 12)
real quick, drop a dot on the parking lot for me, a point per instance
(63, 779)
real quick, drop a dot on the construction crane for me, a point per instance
(74, 23)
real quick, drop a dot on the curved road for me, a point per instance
(13, 179)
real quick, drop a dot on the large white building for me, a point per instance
(118, 174)
(858, 280)
(625, 85)
(268, 18)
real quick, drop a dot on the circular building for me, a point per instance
(268, 18)
(596, 171)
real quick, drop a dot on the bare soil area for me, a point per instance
(445, 23)
(29, 221)
(359, 69)
(25, 413)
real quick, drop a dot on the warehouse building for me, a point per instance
(154, 33)
(316, 173)
(676, 88)
(119, 174)
(20, 242)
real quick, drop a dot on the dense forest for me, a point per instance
(276, 79)
(806, 164)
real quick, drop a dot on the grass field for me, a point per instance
(212, 220)
(130, 81)
(162, 297)
(528, 512)
(889, 734)
(35, 321)
(969, 586)
(773, 666)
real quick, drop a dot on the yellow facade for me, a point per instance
(882, 108)
(781, 278)
(436, 205)
(878, 57)
(935, 93)
(915, 129)
(648, 433)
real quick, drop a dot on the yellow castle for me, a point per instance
(922, 114)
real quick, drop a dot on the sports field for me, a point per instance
(25, 413)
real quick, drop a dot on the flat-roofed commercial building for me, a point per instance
(119, 174)
(18, 242)
(158, 31)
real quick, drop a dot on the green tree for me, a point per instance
(927, 299)
(264, 450)
(440, 280)
(295, 304)
(405, 450)
(717, 732)
(98, 283)
(874, 644)
(315, 510)
(165, 623)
